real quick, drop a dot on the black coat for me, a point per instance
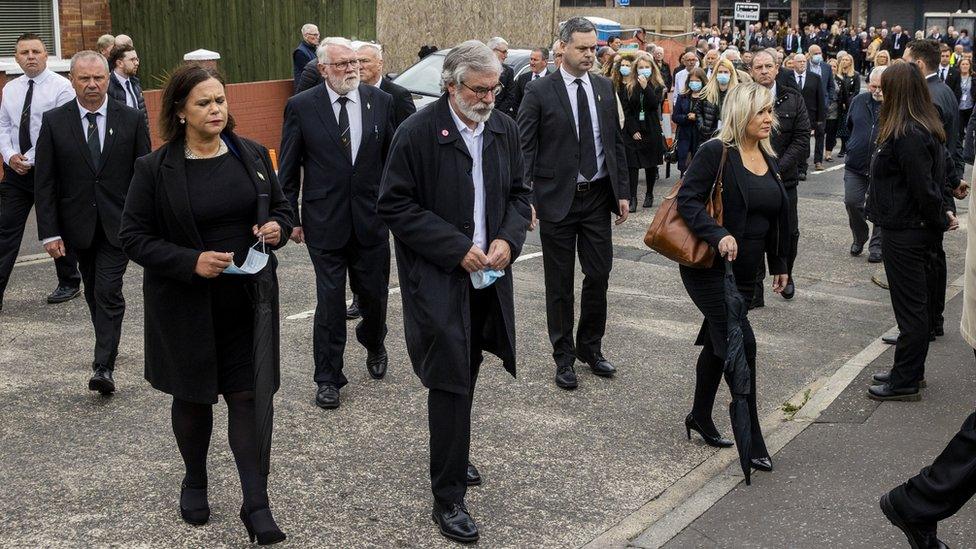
(948, 106)
(906, 185)
(309, 77)
(548, 129)
(159, 233)
(505, 100)
(649, 151)
(813, 97)
(707, 116)
(791, 139)
(338, 197)
(117, 92)
(862, 125)
(304, 53)
(520, 83)
(70, 194)
(697, 187)
(427, 199)
(953, 80)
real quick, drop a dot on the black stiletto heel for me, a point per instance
(715, 440)
(261, 525)
(194, 507)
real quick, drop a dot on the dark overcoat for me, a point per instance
(159, 233)
(427, 200)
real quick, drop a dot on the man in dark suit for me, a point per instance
(574, 156)
(124, 86)
(25, 99)
(339, 132)
(455, 199)
(791, 42)
(949, 74)
(86, 152)
(896, 42)
(305, 51)
(810, 88)
(538, 68)
(505, 101)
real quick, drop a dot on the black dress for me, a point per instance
(223, 200)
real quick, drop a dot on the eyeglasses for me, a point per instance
(481, 93)
(343, 65)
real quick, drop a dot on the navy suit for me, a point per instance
(338, 216)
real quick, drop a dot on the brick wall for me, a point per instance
(82, 22)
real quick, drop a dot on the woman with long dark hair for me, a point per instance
(906, 199)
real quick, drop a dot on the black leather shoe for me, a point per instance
(802, 176)
(600, 366)
(633, 204)
(473, 477)
(376, 362)
(194, 507)
(789, 291)
(101, 380)
(874, 257)
(261, 525)
(762, 464)
(327, 396)
(455, 523)
(63, 293)
(857, 249)
(352, 313)
(648, 201)
(566, 377)
(710, 439)
(918, 537)
(880, 379)
(885, 392)
(890, 339)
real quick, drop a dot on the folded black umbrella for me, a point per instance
(264, 296)
(737, 374)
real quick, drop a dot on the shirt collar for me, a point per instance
(122, 79)
(541, 74)
(927, 76)
(461, 126)
(40, 78)
(333, 96)
(569, 78)
(103, 110)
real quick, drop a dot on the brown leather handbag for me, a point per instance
(670, 236)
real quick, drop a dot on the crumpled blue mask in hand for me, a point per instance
(484, 278)
(253, 263)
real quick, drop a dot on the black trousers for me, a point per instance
(102, 268)
(369, 278)
(938, 277)
(907, 256)
(855, 195)
(795, 224)
(819, 133)
(16, 201)
(449, 415)
(587, 225)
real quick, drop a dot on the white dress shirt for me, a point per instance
(679, 85)
(570, 81)
(473, 140)
(798, 75)
(354, 110)
(130, 97)
(536, 75)
(50, 90)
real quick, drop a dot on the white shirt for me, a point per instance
(679, 85)
(539, 74)
(354, 110)
(473, 140)
(100, 121)
(570, 81)
(50, 90)
(130, 98)
(714, 40)
(943, 72)
(798, 75)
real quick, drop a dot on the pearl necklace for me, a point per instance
(190, 155)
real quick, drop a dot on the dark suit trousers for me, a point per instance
(369, 278)
(588, 225)
(102, 268)
(16, 201)
(938, 276)
(855, 193)
(907, 255)
(449, 415)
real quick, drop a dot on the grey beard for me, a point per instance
(472, 114)
(345, 87)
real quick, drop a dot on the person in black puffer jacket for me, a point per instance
(709, 109)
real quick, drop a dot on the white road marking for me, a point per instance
(830, 169)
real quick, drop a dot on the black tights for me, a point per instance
(649, 173)
(193, 424)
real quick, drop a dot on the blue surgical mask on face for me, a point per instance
(624, 71)
(723, 78)
(817, 59)
(695, 86)
(646, 73)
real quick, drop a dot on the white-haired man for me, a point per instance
(371, 72)
(455, 199)
(305, 51)
(504, 102)
(339, 134)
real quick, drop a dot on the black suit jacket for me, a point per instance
(953, 80)
(403, 105)
(505, 101)
(338, 197)
(520, 83)
(813, 96)
(945, 102)
(550, 143)
(70, 194)
(791, 139)
(791, 43)
(117, 92)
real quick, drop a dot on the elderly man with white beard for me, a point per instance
(454, 196)
(339, 132)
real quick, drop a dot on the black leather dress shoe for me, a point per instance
(886, 392)
(874, 257)
(101, 380)
(472, 477)
(789, 291)
(454, 522)
(566, 377)
(802, 176)
(376, 362)
(919, 537)
(632, 207)
(762, 464)
(648, 201)
(352, 313)
(893, 338)
(327, 396)
(63, 293)
(600, 366)
(879, 379)
(857, 249)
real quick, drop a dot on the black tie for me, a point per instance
(800, 82)
(23, 134)
(588, 167)
(94, 147)
(344, 136)
(135, 102)
(942, 75)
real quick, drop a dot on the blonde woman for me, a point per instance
(641, 97)
(756, 225)
(709, 109)
(882, 58)
(848, 86)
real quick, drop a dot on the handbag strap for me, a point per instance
(717, 185)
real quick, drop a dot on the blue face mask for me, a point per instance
(484, 278)
(254, 262)
(817, 59)
(624, 71)
(646, 73)
(695, 86)
(723, 78)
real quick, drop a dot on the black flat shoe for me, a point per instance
(918, 537)
(327, 396)
(632, 207)
(101, 380)
(599, 365)
(762, 464)
(715, 440)
(857, 249)
(376, 362)
(472, 477)
(63, 293)
(261, 525)
(566, 377)
(886, 392)
(789, 291)
(455, 523)
(194, 507)
(648, 201)
(880, 379)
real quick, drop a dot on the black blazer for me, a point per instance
(791, 43)
(520, 83)
(338, 197)
(117, 92)
(953, 80)
(791, 139)
(70, 193)
(697, 187)
(304, 53)
(548, 129)
(813, 96)
(403, 105)
(906, 185)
